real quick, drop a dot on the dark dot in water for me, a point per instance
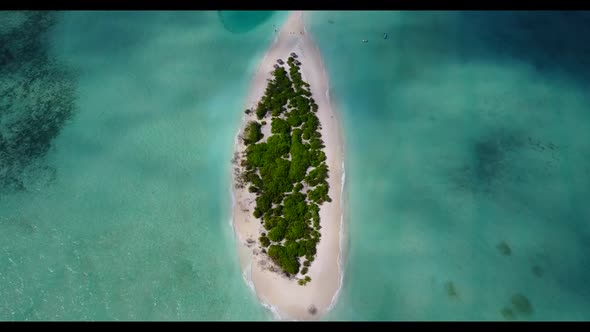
(504, 248)
(507, 313)
(538, 271)
(522, 304)
(451, 289)
(488, 157)
(488, 168)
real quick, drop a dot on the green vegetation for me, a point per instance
(288, 172)
(304, 281)
(252, 133)
(264, 241)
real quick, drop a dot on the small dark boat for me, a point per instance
(384, 36)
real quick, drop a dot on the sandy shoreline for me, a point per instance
(285, 297)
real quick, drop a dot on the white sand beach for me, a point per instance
(289, 300)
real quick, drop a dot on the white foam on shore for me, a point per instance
(341, 243)
(275, 312)
(343, 181)
(233, 205)
(247, 274)
(233, 179)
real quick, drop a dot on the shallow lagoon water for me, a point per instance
(134, 224)
(464, 130)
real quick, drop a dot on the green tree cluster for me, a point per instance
(252, 133)
(276, 170)
(278, 90)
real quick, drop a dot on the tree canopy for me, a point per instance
(252, 133)
(278, 169)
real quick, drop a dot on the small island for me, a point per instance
(288, 179)
(287, 171)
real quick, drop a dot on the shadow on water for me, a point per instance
(237, 21)
(490, 165)
(550, 41)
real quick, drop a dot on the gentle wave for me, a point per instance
(341, 234)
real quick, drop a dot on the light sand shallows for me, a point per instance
(289, 300)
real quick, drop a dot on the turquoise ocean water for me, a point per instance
(467, 163)
(463, 131)
(127, 215)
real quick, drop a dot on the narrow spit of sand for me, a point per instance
(287, 299)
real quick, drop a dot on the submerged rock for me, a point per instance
(451, 289)
(538, 271)
(522, 304)
(507, 313)
(38, 94)
(504, 248)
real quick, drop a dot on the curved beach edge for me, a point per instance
(282, 296)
